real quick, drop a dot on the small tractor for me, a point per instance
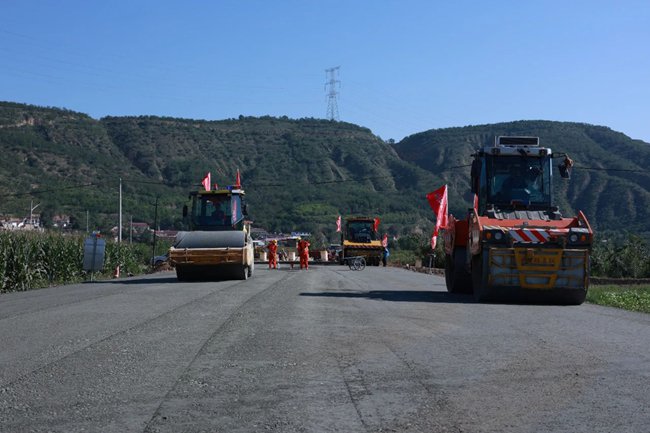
(218, 244)
(515, 244)
(360, 238)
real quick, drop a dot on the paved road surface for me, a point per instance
(327, 349)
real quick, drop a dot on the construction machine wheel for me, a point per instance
(241, 272)
(457, 279)
(479, 278)
(181, 273)
(572, 297)
(358, 264)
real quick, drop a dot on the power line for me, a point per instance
(324, 182)
(44, 191)
(85, 185)
(629, 170)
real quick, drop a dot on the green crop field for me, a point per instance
(31, 260)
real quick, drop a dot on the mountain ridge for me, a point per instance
(299, 173)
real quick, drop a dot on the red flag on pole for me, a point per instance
(376, 224)
(238, 180)
(438, 202)
(206, 182)
(338, 224)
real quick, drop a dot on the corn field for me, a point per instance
(31, 260)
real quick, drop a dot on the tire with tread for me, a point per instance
(457, 279)
(242, 272)
(479, 282)
(181, 273)
(574, 297)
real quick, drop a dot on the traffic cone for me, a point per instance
(117, 272)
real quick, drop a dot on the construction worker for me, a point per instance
(273, 254)
(303, 251)
(384, 255)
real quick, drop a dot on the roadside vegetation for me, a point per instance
(627, 259)
(627, 297)
(32, 260)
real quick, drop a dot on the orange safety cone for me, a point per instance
(117, 272)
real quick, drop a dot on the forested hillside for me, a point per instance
(610, 182)
(298, 174)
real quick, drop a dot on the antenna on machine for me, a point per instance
(330, 87)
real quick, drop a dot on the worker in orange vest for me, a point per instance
(273, 254)
(303, 251)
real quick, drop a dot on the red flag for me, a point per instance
(384, 241)
(238, 180)
(206, 182)
(338, 224)
(375, 225)
(438, 202)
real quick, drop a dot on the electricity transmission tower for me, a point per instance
(331, 84)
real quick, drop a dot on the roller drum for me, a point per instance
(203, 239)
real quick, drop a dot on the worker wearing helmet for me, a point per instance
(303, 251)
(273, 254)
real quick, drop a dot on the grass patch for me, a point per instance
(403, 257)
(632, 298)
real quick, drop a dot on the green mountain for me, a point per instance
(298, 174)
(610, 181)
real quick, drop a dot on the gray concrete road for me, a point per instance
(324, 350)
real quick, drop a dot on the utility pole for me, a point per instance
(330, 86)
(31, 212)
(119, 228)
(155, 222)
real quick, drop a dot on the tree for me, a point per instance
(47, 216)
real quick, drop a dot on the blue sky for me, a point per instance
(405, 66)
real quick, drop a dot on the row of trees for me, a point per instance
(627, 258)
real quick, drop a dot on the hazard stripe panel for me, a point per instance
(530, 235)
(534, 236)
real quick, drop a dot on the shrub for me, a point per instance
(627, 260)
